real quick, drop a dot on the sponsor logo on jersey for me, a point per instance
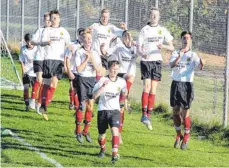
(118, 89)
(159, 32)
(109, 30)
(61, 33)
(188, 59)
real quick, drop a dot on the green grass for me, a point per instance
(55, 138)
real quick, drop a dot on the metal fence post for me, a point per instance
(225, 112)
(126, 12)
(39, 14)
(77, 16)
(7, 19)
(157, 3)
(22, 21)
(191, 15)
(58, 5)
(102, 4)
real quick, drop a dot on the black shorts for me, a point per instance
(121, 75)
(53, 68)
(38, 66)
(151, 70)
(85, 85)
(104, 62)
(75, 82)
(181, 94)
(105, 117)
(26, 79)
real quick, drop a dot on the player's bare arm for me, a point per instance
(97, 93)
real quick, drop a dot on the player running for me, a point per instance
(54, 57)
(149, 44)
(26, 57)
(112, 92)
(183, 63)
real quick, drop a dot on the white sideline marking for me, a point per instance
(43, 155)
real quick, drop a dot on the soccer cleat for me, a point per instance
(45, 116)
(88, 137)
(26, 108)
(179, 138)
(184, 144)
(38, 106)
(43, 109)
(32, 104)
(115, 158)
(101, 154)
(79, 138)
(71, 107)
(145, 120)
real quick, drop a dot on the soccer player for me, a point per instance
(102, 33)
(38, 63)
(125, 53)
(26, 58)
(70, 68)
(87, 62)
(149, 44)
(183, 63)
(112, 92)
(53, 66)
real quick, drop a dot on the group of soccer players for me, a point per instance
(101, 65)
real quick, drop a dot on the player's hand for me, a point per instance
(71, 76)
(145, 56)
(88, 55)
(102, 49)
(122, 25)
(105, 83)
(160, 46)
(134, 43)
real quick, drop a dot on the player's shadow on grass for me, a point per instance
(22, 116)
(10, 96)
(12, 102)
(13, 109)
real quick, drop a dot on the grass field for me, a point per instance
(55, 138)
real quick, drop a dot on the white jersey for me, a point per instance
(59, 38)
(89, 70)
(39, 55)
(75, 46)
(26, 57)
(184, 70)
(126, 57)
(109, 97)
(103, 34)
(148, 40)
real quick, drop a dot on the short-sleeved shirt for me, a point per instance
(26, 57)
(59, 38)
(103, 34)
(148, 40)
(39, 55)
(184, 70)
(126, 57)
(76, 46)
(89, 70)
(109, 97)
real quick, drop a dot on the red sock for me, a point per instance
(115, 143)
(40, 94)
(71, 95)
(102, 143)
(26, 96)
(44, 93)
(79, 117)
(35, 89)
(50, 93)
(76, 101)
(121, 121)
(128, 85)
(88, 118)
(151, 102)
(187, 125)
(144, 103)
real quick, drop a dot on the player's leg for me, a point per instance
(187, 127)
(88, 119)
(114, 124)
(71, 95)
(151, 98)
(177, 125)
(25, 80)
(129, 81)
(78, 121)
(102, 124)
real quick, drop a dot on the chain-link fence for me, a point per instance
(209, 26)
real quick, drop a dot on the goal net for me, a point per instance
(9, 77)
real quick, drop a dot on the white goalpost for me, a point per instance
(9, 77)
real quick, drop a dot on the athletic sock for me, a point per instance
(144, 103)
(50, 94)
(35, 89)
(71, 95)
(102, 144)
(151, 102)
(26, 96)
(115, 143)
(78, 118)
(88, 118)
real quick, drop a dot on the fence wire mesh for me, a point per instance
(209, 37)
